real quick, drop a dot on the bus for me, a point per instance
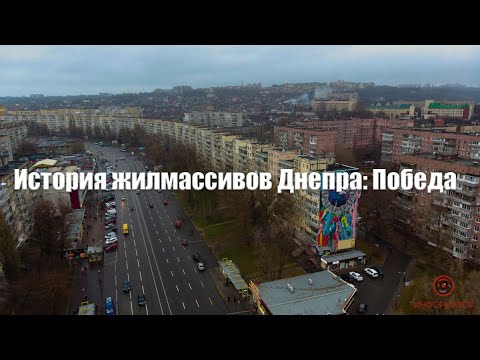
(109, 308)
(125, 229)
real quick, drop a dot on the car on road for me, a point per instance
(371, 272)
(123, 198)
(126, 286)
(196, 256)
(378, 269)
(111, 247)
(138, 191)
(362, 308)
(356, 276)
(109, 197)
(142, 299)
(150, 205)
(159, 191)
(200, 266)
(184, 242)
(165, 202)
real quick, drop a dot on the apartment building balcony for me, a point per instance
(406, 192)
(387, 138)
(406, 205)
(474, 182)
(312, 224)
(465, 192)
(404, 220)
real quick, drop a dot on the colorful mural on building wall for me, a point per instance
(337, 217)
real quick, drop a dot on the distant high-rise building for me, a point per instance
(37, 96)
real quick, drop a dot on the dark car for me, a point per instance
(379, 270)
(150, 205)
(165, 202)
(348, 278)
(111, 227)
(362, 308)
(196, 256)
(126, 286)
(111, 247)
(141, 299)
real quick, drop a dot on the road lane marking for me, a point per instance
(156, 232)
(201, 282)
(134, 243)
(169, 239)
(154, 225)
(197, 303)
(171, 272)
(177, 288)
(125, 251)
(166, 231)
(140, 276)
(190, 286)
(178, 259)
(146, 308)
(183, 305)
(183, 272)
(138, 263)
(143, 289)
(130, 295)
(151, 218)
(126, 264)
(115, 280)
(136, 253)
(167, 260)
(160, 240)
(173, 248)
(210, 300)
(163, 249)
(195, 269)
(131, 306)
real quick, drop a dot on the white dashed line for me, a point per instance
(177, 288)
(143, 289)
(210, 300)
(183, 272)
(173, 248)
(126, 263)
(140, 276)
(178, 259)
(154, 225)
(190, 286)
(197, 303)
(171, 272)
(183, 305)
(163, 249)
(138, 263)
(169, 239)
(167, 260)
(201, 282)
(156, 232)
(131, 307)
(136, 253)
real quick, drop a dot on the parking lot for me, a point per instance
(377, 293)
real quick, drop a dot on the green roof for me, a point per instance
(447, 106)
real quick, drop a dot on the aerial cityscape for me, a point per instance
(159, 250)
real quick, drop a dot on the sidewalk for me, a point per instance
(90, 284)
(229, 294)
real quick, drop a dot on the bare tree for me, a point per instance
(9, 257)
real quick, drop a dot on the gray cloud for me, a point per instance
(62, 70)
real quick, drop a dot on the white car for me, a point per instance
(200, 266)
(371, 272)
(356, 276)
(111, 240)
(110, 235)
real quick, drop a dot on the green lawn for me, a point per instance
(243, 256)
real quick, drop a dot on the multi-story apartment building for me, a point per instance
(325, 100)
(401, 111)
(454, 109)
(6, 153)
(17, 206)
(309, 140)
(452, 217)
(214, 119)
(357, 133)
(396, 142)
(15, 132)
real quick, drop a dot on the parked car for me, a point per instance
(109, 235)
(123, 198)
(362, 308)
(141, 299)
(126, 286)
(150, 205)
(111, 240)
(371, 272)
(165, 202)
(111, 247)
(348, 278)
(138, 191)
(200, 266)
(111, 227)
(379, 270)
(196, 256)
(356, 276)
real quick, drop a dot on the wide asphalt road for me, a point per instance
(152, 257)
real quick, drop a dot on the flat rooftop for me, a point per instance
(343, 256)
(327, 294)
(448, 159)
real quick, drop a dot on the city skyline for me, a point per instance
(75, 70)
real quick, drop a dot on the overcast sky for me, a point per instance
(72, 70)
